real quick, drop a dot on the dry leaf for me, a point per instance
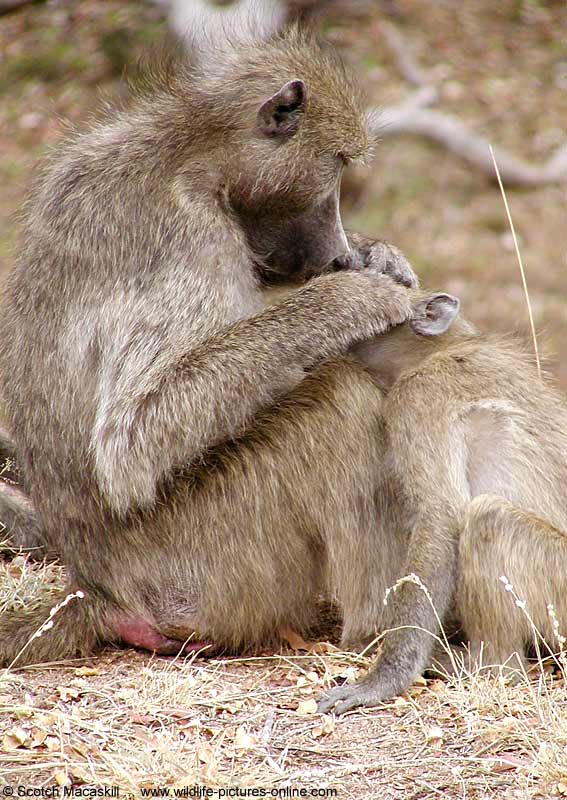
(87, 672)
(38, 737)
(434, 737)
(61, 778)
(67, 693)
(9, 743)
(81, 749)
(561, 788)
(14, 739)
(52, 743)
(319, 648)
(326, 727)
(307, 706)
(145, 736)
(505, 762)
(46, 719)
(21, 712)
(294, 640)
(20, 734)
(297, 642)
(351, 674)
(233, 708)
(81, 775)
(244, 740)
(205, 753)
(142, 719)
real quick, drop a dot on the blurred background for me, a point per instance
(451, 76)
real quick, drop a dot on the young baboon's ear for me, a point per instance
(434, 315)
(280, 115)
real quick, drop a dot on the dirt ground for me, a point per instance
(128, 720)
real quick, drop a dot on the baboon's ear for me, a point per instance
(434, 315)
(280, 115)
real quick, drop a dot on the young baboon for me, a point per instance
(474, 478)
(201, 462)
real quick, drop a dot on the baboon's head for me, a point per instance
(290, 119)
(435, 323)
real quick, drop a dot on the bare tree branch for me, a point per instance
(399, 48)
(473, 148)
(412, 116)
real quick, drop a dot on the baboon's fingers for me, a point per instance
(387, 258)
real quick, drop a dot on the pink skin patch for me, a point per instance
(138, 632)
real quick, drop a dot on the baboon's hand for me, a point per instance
(386, 302)
(378, 256)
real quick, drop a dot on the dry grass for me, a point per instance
(131, 720)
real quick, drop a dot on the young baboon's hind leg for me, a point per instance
(511, 564)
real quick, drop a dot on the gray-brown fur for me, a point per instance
(475, 476)
(193, 460)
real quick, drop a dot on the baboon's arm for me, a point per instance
(412, 614)
(167, 412)
(429, 457)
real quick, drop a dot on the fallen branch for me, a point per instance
(456, 137)
(407, 65)
(412, 116)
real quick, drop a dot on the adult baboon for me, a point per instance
(474, 478)
(200, 461)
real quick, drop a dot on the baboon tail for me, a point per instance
(19, 523)
(39, 633)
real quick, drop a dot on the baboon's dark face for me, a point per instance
(298, 243)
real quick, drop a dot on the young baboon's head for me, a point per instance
(284, 118)
(435, 318)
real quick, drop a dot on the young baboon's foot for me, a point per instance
(21, 528)
(139, 633)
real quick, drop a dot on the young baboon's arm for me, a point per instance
(160, 409)
(20, 526)
(411, 617)
(429, 457)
